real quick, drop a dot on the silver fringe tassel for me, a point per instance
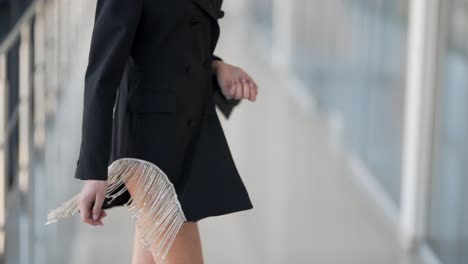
(154, 206)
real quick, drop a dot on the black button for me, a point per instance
(221, 14)
(187, 68)
(191, 122)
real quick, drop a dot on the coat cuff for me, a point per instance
(216, 58)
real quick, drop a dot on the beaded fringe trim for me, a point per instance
(155, 208)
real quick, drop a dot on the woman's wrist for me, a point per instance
(216, 65)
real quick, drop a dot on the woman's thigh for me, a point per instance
(187, 248)
(141, 255)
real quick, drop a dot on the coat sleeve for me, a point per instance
(114, 29)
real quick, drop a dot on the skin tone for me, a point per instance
(91, 198)
(235, 83)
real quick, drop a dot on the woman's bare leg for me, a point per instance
(140, 254)
(187, 248)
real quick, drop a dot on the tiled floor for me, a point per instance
(307, 208)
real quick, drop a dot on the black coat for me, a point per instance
(151, 59)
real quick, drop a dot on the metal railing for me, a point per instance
(35, 59)
(17, 115)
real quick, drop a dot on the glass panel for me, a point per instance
(448, 214)
(352, 55)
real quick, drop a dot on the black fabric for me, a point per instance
(150, 94)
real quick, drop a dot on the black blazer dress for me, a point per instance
(150, 94)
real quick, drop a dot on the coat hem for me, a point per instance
(218, 213)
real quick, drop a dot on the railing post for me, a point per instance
(424, 52)
(57, 52)
(39, 79)
(56, 27)
(51, 57)
(24, 109)
(24, 140)
(3, 148)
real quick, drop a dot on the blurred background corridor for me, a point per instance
(353, 153)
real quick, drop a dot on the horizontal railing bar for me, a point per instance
(14, 34)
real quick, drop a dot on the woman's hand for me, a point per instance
(91, 200)
(235, 83)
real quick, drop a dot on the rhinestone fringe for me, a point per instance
(154, 206)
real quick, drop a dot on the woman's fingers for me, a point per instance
(250, 79)
(237, 84)
(102, 215)
(251, 84)
(246, 90)
(242, 87)
(252, 88)
(232, 90)
(253, 91)
(85, 212)
(238, 90)
(99, 199)
(254, 83)
(256, 90)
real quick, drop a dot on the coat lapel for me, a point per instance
(209, 7)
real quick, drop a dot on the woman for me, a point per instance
(161, 150)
